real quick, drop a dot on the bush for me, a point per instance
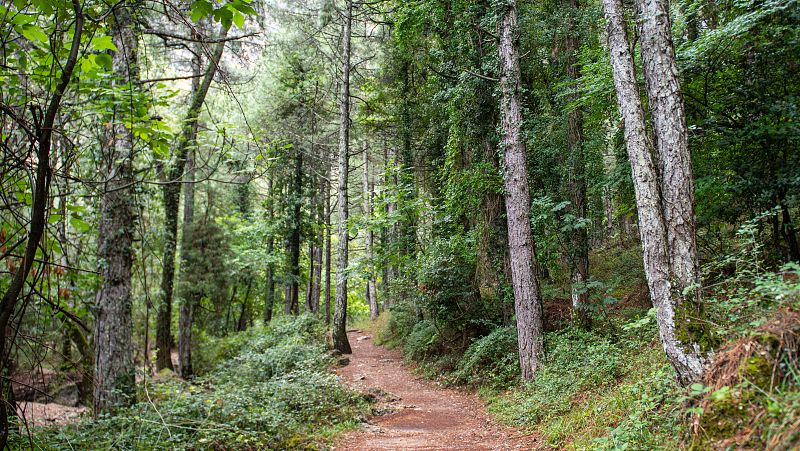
(576, 360)
(492, 359)
(269, 388)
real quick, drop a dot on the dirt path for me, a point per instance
(417, 414)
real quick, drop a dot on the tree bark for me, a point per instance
(327, 214)
(340, 341)
(522, 248)
(685, 357)
(269, 295)
(576, 177)
(114, 373)
(187, 306)
(294, 236)
(371, 290)
(188, 301)
(671, 145)
(171, 198)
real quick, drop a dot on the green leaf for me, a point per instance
(34, 33)
(52, 219)
(238, 19)
(104, 43)
(201, 9)
(103, 60)
(224, 16)
(79, 224)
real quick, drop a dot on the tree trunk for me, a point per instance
(171, 193)
(520, 239)
(578, 253)
(391, 212)
(652, 226)
(316, 286)
(114, 369)
(37, 225)
(187, 306)
(340, 341)
(672, 147)
(327, 214)
(294, 237)
(371, 291)
(269, 296)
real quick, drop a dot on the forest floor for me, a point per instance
(413, 413)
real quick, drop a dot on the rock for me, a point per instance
(365, 337)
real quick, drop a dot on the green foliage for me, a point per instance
(267, 388)
(490, 360)
(576, 360)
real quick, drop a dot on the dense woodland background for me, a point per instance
(586, 210)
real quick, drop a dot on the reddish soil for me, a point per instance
(417, 414)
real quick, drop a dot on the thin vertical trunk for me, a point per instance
(578, 253)
(790, 232)
(340, 341)
(171, 192)
(186, 310)
(310, 284)
(371, 291)
(327, 214)
(114, 368)
(241, 323)
(269, 296)
(37, 225)
(522, 248)
(652, 225)
(316, 286)
(294, 238)
(187, 305)
(671, 145)
(391, 211)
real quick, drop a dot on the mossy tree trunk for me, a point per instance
(114, 369)
(340, 341)
(521, 244)
(171, 199)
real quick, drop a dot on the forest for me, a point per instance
(400, 224)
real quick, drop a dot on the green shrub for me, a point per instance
(269, 388)
(492, 359)
(423, 341)
(576, 360)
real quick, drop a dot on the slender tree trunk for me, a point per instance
(316, 286)
(671, 145)
(241, 323)
(294, 238)
(269, 296)
(340, 341)
(652, 225)
(371, 291)
(114, 368)
(391, 212)
(579, 237)
(327, 214)
(522, 248)
(188, 301)
(171, 193)
(791, 235)
(311, 270)
(37, 225)
(187, 306)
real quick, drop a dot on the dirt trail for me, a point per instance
(418, 414)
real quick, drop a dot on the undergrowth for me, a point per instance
(266, 388)
(611, 387)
